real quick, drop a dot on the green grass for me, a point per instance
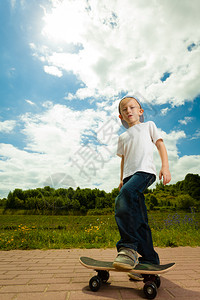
(55, 232)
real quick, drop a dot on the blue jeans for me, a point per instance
(131, 217)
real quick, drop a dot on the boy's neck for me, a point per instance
(131, 125)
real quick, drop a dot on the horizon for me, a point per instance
(149, 188)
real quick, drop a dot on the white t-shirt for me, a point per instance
(136, 144)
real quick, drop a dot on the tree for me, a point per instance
(160, 186)
(182, 195)
(75, 205)
(19, 194)
(19, 203)
(152, 201)
(70, 193)
(192, 185)
(115, 193)
(10, 201)
(100, 202)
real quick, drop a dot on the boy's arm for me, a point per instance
(121, 173)
(164, 172)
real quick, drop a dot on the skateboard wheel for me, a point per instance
(150, 290)
(157, 281)
(95, 283)
(104, 275)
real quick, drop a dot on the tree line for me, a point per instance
(182, 195)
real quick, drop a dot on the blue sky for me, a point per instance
(64, 67)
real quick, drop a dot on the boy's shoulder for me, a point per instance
(149, 123)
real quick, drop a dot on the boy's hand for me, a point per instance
(120, 185)
(165, 173)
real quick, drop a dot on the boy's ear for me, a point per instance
(120, 116)
(141, 111)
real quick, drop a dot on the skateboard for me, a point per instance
(149, 272)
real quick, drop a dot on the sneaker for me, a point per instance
(135, 277)
(126, 259)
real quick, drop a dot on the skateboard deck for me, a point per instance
(91, 263)
(149, 272)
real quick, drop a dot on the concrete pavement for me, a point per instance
(58, 275)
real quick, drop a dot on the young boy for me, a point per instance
(135, 147)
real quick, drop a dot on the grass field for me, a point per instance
(53, 232)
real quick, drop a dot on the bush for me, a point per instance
(185, 202)
(97, 211)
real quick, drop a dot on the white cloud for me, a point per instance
(82, 93)
(53, 71)
(54, 145)
(164, 111)
(171, 140)
(179, 166)
(13, 3)
(196, 135)
(29, 102)
(126, 46)
(20, 169)
(7, 126)
(47, 104)
(184, 165)
(57, 151)
(186, 120)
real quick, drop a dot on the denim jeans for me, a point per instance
(131, 217)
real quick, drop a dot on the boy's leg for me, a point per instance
(131, 217)
(145, 246)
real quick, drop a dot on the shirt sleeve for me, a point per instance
(155, 135)
(120, 147)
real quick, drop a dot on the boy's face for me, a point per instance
(130, 111)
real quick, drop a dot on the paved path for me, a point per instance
(58, 275)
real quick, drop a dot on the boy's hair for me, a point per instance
(124, 123)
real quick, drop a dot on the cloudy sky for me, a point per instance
(64, 65)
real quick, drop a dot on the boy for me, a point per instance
(135, 147)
